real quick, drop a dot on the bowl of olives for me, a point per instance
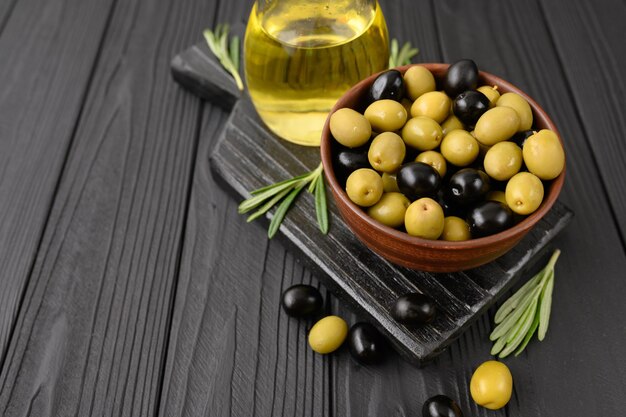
(441, 167)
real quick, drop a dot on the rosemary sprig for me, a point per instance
(227, 54)
(401, 56)
(286, 192)
(525, 312)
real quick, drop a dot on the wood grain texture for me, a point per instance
(590, 48)
(93, 329)
(48, 52)
(232, 349)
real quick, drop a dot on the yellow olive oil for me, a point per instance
(301, 56)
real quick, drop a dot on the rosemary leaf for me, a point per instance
(282, 211)
(270, 203)
(276, 184)
(529, 335)
(525, 313)
(512, 319)
(218, 43)
(525, 323)
(510, 304)
(259, 199)
(498, 346)
(321, 210)
(545, 307)
(401, 56)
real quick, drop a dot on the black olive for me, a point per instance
(450, 209)
(388, 85)
(467, 186)
(441, 406)
(413, 308)
(469, 106)
(366, 344)
(461, 76)
(302, 301)
(347, 160)
(520, 137)
(417, 179)
(488, 218)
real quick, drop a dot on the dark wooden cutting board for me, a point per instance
(247, 156)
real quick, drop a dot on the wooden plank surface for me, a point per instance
(92, 332)
(109, 326)
(591, 50)
(47, 53)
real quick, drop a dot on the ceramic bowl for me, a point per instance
(422, 254)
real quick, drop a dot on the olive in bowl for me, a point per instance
(495, 125)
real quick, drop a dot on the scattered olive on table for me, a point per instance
(441, 406)
(413, 309)
(302, 301)
(366, 344)
(452, 154)
(491, 385)
(328, 334)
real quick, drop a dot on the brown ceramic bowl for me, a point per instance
(432, 255)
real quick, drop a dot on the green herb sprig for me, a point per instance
(227, 53)
(401, 56)
(525, 312)
(286, 192)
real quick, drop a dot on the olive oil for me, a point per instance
(301, 56)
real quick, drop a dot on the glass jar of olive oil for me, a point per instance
(302, 55)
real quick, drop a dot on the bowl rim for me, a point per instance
(520, 228)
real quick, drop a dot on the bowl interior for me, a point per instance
(354, 98)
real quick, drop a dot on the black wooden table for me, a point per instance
(130, 286)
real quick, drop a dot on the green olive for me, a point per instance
(435, 160)
(521, 106)
(386, 152)
(390, 209)
(524, 193)
(350, 128)
(544, 155)
(424, 218)
(434, 104)
(389, 183)
(496, 195)
(459, 148)
(450, 124)
(496, 125)
(418, 80)
(491, 92)
(455, 229)
(386, 115)
(364, 187)
(491, 385)
(503, 160)
(422, 133)
(328, 334)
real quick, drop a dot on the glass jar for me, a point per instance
(302, 55)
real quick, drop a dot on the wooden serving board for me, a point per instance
(247, 156)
